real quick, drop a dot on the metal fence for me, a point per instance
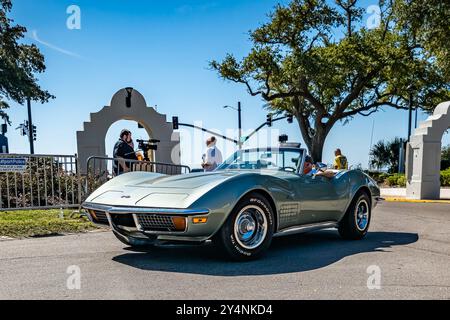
(102, 169)
(39, 181)
(54, 181)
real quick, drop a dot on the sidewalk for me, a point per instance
(399, 194)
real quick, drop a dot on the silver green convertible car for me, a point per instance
(255, 195)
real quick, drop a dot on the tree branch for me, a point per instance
(374, 106)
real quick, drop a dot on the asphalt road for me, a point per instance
(410, 243)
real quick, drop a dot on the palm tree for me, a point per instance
(386, 154)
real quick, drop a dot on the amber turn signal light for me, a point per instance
(179, 223)
(198, 220)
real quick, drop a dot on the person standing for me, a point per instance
(340, 161)
(213, 157)
(123, 149)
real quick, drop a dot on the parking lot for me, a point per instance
(410, 243)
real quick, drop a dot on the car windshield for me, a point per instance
(270, 159)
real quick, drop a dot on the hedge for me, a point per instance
(445, 178)
(399, 180)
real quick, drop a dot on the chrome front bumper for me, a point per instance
(135, 228)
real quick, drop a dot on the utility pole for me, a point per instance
(240, 125)
(415, 121)
(410, 109)
(239, 110)
(30, 127)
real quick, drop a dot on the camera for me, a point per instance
(146, 146)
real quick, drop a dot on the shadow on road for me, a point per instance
(288, 254)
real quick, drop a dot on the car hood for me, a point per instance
(160, 191)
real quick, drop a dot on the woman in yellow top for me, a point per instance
(340, 162)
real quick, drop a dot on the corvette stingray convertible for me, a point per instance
(255, 195)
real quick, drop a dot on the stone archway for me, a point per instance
(423, 157)
(127, 104)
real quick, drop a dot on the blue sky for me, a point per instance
(162, 49)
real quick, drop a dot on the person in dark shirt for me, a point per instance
(123, 149)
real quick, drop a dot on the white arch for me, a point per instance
(423, 157)
(91, 141)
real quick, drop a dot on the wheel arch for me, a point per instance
(357, 192)
(269, 198)
(365, 189)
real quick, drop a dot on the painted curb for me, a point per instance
(399, 199)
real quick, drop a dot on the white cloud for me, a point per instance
(35, 37)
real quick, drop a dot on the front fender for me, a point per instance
(222, 199)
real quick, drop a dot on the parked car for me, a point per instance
(255, 195)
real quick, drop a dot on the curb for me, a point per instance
(400, 199)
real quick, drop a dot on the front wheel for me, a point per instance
(248, 231)
(355, 224)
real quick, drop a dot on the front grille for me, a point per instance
(156, 222)
(101, 217)
(125, 220)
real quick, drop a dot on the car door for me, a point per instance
(319, 199)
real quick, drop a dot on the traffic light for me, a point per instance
(283, 138)
(269, 120)
(290, 118)
(34, 133)
(175, 123)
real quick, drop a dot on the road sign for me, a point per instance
(13, 164)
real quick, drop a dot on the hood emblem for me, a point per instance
(126, 196)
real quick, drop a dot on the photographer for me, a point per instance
(123, 149)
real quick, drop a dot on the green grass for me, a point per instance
(32, 223)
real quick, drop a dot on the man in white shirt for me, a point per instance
(213, 157)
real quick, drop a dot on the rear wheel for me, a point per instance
(355, 224)
(248, 231)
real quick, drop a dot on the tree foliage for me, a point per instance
(319, 62)
(427, 23)
(18, 64)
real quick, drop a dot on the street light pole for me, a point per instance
(415, 121)
(30, 127)
(239, 110)
(410, 113)
(240, 125)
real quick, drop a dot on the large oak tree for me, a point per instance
(19, 63)
(319, 61)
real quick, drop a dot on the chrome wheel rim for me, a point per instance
(250, 227)
(362, 215)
